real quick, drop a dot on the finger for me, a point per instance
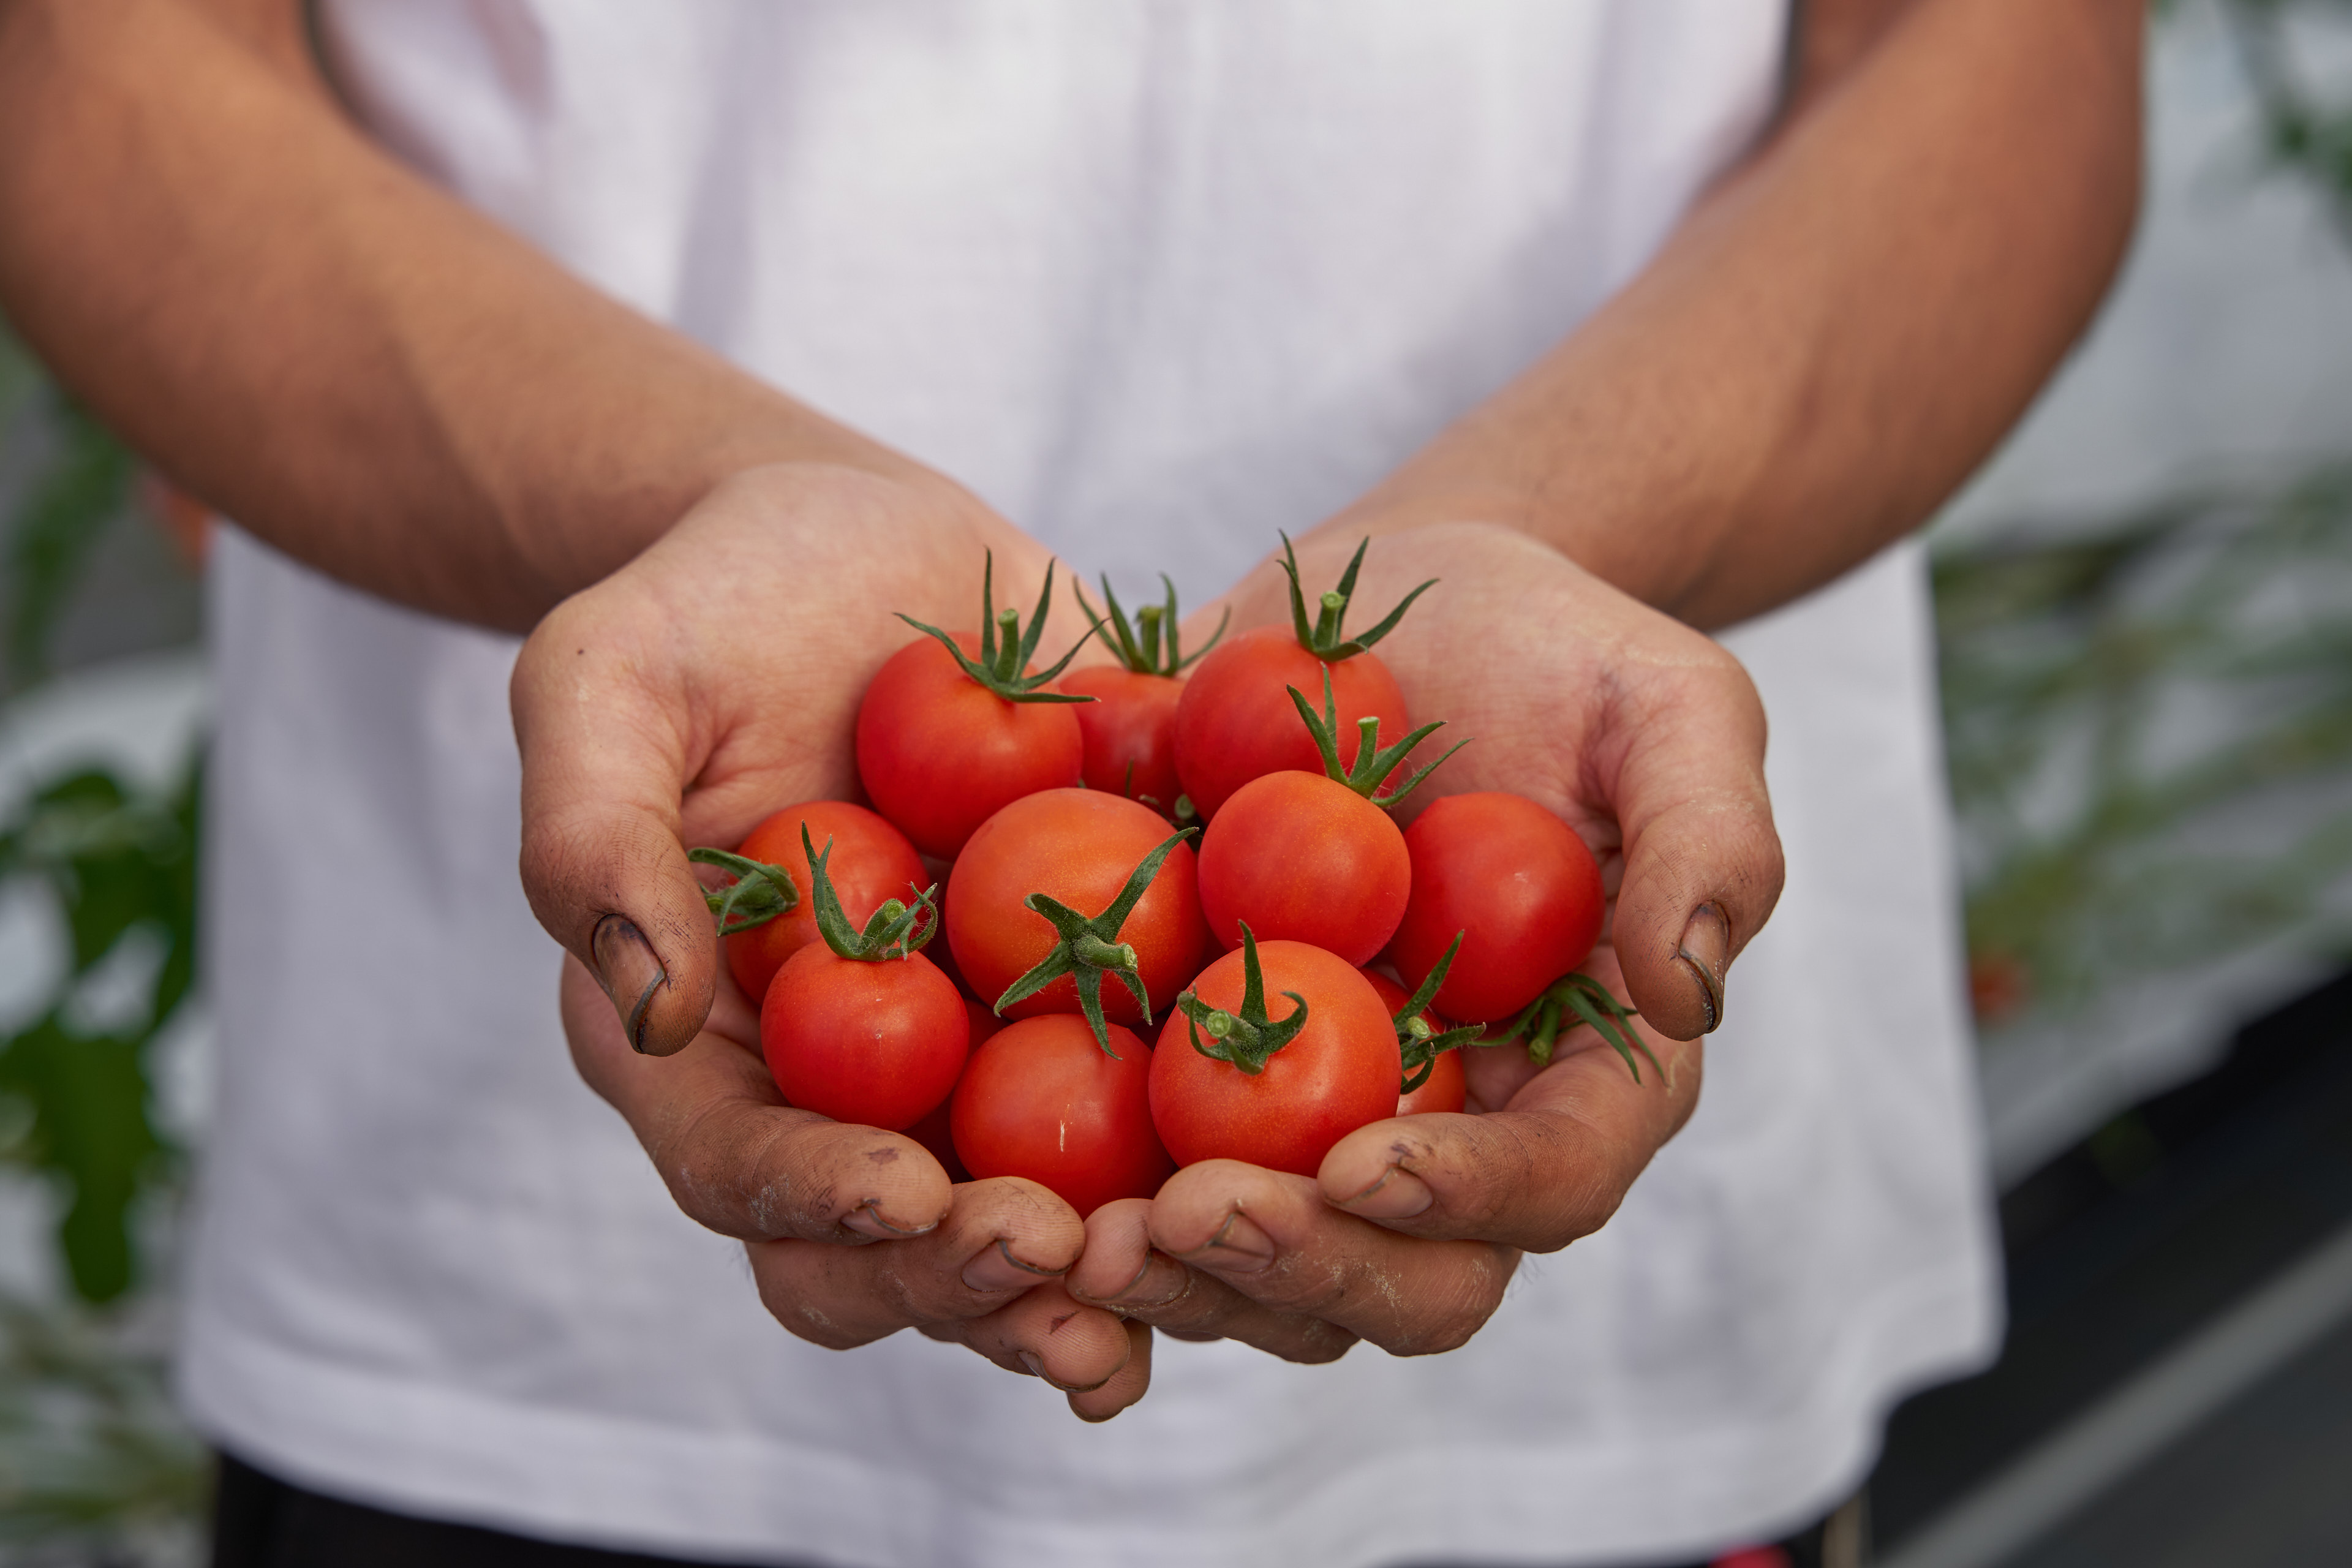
(1549, 1167)
(1703, 864)
(1125, 1387)
(1124, 1273)
(1044, 1334)
(999, 1239)
(605, 765)
(1272, 1237)
(735, 1157)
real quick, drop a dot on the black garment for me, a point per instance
(260, 1522)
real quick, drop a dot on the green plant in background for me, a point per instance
(2130, 705)
(2131, 715)
(2303, 133)
(94, 1462)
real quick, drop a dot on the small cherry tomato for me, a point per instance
(872, 864)
(1235, 721)
(1303, 857)
(953, 728)
(1042, 1099)
(1131, 727)
(878, 1044)
(1130, 733)
(1514, 878)
(1337, 1072)
(1079, 847)
(939, 753)
(1446, 1088)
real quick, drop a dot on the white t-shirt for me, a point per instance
(1154, 280)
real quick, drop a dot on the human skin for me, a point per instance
(1837, 333)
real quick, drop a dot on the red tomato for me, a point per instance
(1446, 1088)
(1340, 1073)
(878, 1044)
(1129, 732)
(941, 754)
(872, 863)
(1518, 881)
(1299, 855)
(1236, 722)
(1042, 1099)
(1078, 845)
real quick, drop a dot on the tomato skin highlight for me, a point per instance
(877, 1044)
(872, 863)
(1447, 1088)
(1517, 880)
(1340, 1073)
(1300, 856)
(1041, 1099)
(1132, 725)
(939, 753)
(1236, 722)
(1078, 845)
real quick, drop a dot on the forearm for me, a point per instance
(1838, 334)
(351, 364)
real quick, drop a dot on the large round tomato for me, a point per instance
(1447, 1087)
(1235, 721)
(1078, 846)
(1301, 856)
(1130, 733)
(1339, 1073)
(941, 754)
(878, 1044)
(1514, 878)
(1042, 1099)
(871, 863)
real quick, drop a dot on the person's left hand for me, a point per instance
(1648, 739)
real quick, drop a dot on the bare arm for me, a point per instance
(356, 366)
(1841, 330)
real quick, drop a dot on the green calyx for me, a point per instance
(1004, 648)
(1140, 644)
(1417, 1044)
(895, 930)
(1249, 1038)
(1373, 764)
(1324, 638)
(758, 893)
(1088, 947)
(1572, 1000)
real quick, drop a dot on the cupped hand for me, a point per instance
(855, 1232)
(1648, 739)
(712, 681)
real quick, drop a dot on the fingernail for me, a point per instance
(1173, 1283)
(1398, 1194)
(994, 1268)
(867, 1219)
(1705, 951)
(629, 972)
(1238, 1248)
(1036, 1367)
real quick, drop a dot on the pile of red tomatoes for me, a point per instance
(1168, 882)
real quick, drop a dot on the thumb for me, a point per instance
(1703, 865)
(605, 764)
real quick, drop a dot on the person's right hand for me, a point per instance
(711, 681)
